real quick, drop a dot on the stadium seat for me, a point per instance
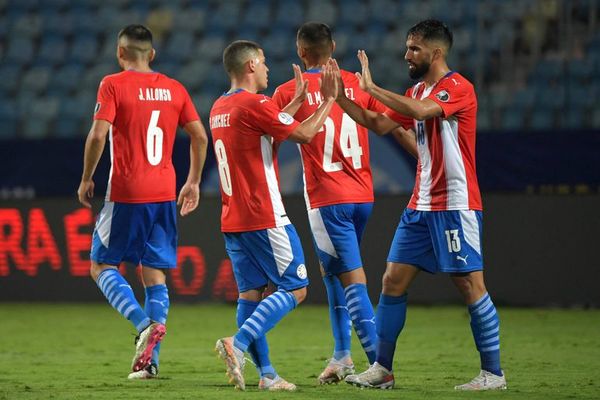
(52, 50)
(36, 79)
(11, 75)
(20, 50)
(84, 49)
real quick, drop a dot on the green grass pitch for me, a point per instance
(84, 351)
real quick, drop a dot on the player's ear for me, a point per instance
(332, 46)
(300, 50)
(252, 64)
(120, 52)
(152, 55)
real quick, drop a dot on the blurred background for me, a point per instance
(536, 69)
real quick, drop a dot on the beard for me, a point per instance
(419, 71)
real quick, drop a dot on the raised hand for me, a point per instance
(338, 76)
(301, 84)
(328, 82)
(365, 79)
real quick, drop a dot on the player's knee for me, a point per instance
(95, 270)
(300, 295)
(390, 279)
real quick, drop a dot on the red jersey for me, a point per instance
(144, 110)
(336, 162)
(446, 177)
(246, 130)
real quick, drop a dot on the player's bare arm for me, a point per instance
(189, 196)
(310, 126)
(417, 109)
(378, 123)
(94, 146)
(300, 93)
(407, 139)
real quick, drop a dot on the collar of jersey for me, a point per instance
(141, 72)
(313, 71)
(448, 74)
(236, 91)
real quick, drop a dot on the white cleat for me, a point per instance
(150, 372)
(234, 361)
(376, 377)
(336, 371)
(485, 381)
(276, 384)
(145, 343)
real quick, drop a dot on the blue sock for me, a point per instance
(267, 314)
(258, 349)
(391, 315)
(338, 316)
(119, 294)
(363, 317)
(157, 308)
(485, 326)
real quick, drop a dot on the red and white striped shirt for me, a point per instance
(247, 129)
(446, 177)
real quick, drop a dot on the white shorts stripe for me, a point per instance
(282, 248)
(470, 228)
(104, 223)
(319, 232)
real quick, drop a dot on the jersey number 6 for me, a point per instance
(154, 140)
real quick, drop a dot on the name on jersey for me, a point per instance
(154, 94)
(219, 121)
(317, 98)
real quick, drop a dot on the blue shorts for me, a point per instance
(444, 241)
(137, 233)
(337, 231)
(273, 254)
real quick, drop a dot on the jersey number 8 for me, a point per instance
(224, 174)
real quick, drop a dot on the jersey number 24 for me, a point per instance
(348, 143)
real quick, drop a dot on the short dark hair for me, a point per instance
(237, 53)
(432, 30)
(316, 39)
(137, 33)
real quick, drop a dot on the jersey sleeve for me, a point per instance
(452, 95)
(268, 118)
(280, 97)
(106, 104)
(405, 121)
(188, 112)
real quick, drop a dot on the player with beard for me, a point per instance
(440, 230)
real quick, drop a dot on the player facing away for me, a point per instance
(140, 110)
(339, 197)
(440, 230)
(262, 244)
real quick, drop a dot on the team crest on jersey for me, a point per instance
(97, 108)
(301, 271)
(285, 118)
(442, 95)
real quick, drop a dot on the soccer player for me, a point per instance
(262, 244)
(140, 110)
(440, 230)
(339, 196)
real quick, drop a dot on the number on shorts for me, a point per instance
(453, 240)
